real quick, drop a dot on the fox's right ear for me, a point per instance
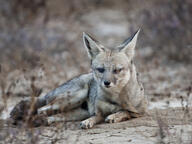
(93, 47)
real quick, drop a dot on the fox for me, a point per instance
(111, 92)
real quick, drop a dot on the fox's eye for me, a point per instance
(101, 70)
(116, 71)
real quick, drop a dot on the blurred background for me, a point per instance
(41, 43)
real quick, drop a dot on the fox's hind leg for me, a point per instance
(72, 115)
(67, 96)
(63, 103)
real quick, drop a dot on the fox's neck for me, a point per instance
(110, 96)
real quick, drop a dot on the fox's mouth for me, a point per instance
(107, 86)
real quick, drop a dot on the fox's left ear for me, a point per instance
(128, 46)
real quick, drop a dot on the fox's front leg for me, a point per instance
(118, 117)
(90, 122)
(103, 108)
(113, 118)
(121, 116)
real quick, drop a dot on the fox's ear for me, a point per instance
(128, 46)
(93, 47)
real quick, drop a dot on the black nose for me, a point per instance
(107, 83)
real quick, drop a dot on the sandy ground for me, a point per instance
(168, 126)
(169, 119)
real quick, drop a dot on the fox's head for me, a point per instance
(111, 67)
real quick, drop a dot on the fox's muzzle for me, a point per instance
(107, 84)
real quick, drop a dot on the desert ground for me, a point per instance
(169, 119)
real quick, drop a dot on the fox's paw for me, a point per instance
(111, 119)
(86, 124)
(117, 117)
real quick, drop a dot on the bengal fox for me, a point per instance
(110, 93)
